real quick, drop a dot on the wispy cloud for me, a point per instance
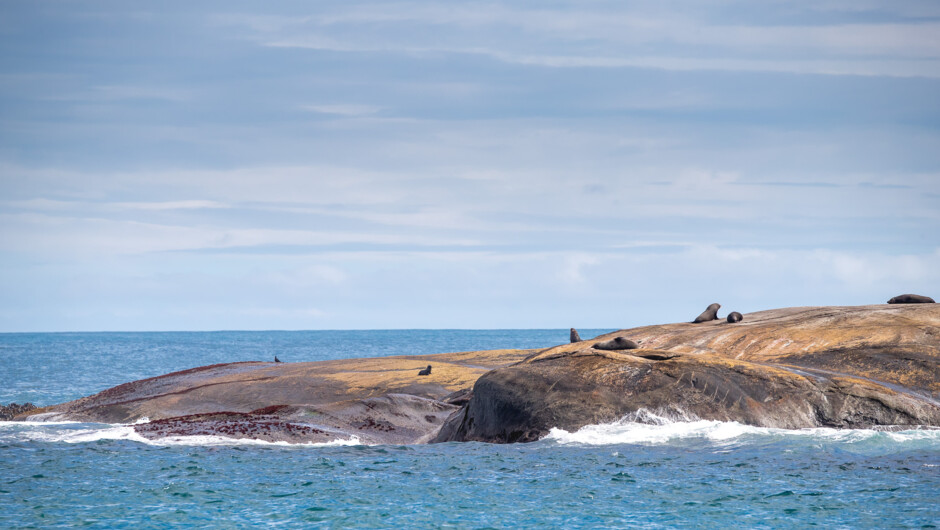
(343, 109)
(614, 37)
(484, 165)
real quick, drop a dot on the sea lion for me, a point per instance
(617, 343)
(574, 335)
(711, 313)
(911, 299)
(426, 371)
(734, 316)
(276, 359)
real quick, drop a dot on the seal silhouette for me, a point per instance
(276, 359)
(734, 316)
(426, 371)
(617, 343)
(574, 335)
(710, 313)
(911, 299)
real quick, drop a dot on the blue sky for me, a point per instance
(334, 165)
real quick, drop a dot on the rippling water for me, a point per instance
(654, 474)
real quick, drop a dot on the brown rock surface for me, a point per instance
(797, 367)
(858, 366)
(312, 401)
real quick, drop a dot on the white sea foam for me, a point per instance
(225, 441)
(647, 428)
(30, 423)
(47, 432)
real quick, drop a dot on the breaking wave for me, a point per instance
(648, 428)
(77, 433)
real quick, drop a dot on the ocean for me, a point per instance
(655, 474)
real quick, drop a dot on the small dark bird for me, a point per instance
(426, 371)
(276, 359)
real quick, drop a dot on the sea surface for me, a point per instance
(650, 474)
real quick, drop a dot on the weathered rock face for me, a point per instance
(8, 412)
(789, 368)
(797, 367)
(378, 400)
(390, 419)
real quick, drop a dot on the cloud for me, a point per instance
(476, 289)
(615, 37)
(422, 164)
(169, 205)
(343, 110)
(44, 235)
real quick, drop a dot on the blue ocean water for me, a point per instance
(657, 474)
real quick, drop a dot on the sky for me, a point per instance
(551, 164)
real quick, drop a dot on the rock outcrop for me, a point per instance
(377, 400)
(8, 412)
(851, 367)
(790, 368)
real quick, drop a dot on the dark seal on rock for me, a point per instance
(734, 316)
(276, 359)
(426, 371)
(911, 299)
(574, 335)
(711, 313)
(617, 343)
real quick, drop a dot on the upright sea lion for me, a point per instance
(734, 316)
(574, 335)
(711, 313)
(426, 371)
(617, 343)
(276, 359)
(911, 299)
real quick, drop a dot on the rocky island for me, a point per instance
(845, 367)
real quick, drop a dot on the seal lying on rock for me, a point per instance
(617, 343)
(574, 336)
(911, 299)
(426, 371)
(710, 313)
(734, 316)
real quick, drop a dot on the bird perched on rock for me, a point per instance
(426, 371)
